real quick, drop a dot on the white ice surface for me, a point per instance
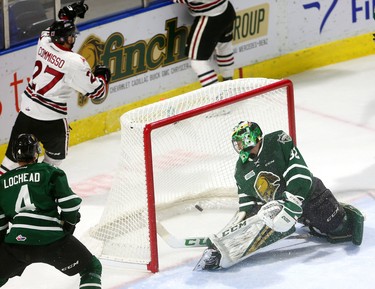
(335, 116)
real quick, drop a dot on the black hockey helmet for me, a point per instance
(61, 30)
(26, 148)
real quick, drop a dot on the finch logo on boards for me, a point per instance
(144, 61)
(21, 238)
(126, 61)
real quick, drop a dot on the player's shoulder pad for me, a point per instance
(279, 136)
(78, 62)
(273, 135)
(52, 170)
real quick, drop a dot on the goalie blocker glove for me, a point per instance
(281, 215)
(70, 12)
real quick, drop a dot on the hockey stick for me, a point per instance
(174, 242)
(191, 242)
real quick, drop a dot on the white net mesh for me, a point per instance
(192, 158)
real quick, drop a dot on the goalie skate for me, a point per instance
(210, 260)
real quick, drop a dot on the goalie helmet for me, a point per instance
(26, 148)
(61, 30)
(245, 137)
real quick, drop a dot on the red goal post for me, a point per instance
(161, 146)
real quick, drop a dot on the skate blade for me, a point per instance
(200, 265)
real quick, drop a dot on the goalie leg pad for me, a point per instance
(351, 229)
(243, 239)
(321, 210)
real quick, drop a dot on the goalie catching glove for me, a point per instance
(70, 12)
(281, 215)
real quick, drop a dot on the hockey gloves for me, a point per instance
(70, 12)
(69, 227)
(103, 72)
(281, 215)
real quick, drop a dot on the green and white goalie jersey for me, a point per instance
(278, 167)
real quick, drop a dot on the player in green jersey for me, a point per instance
(276, 190)
(38, 214)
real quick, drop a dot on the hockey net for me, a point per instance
(177, 153)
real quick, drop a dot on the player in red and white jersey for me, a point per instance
(211, 31)
(59, 73)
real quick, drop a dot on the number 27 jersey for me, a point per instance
(58, 74)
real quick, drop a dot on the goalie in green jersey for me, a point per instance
(276, 190)
(38, 214)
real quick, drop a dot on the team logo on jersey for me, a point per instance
(21, 238)
(266, 185)
(284, 138)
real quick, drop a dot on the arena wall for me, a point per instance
(146, 54)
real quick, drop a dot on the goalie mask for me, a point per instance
(245, 137)
(26, 148)
(61, 30)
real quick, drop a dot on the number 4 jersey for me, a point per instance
(58, 73)
(34, 199)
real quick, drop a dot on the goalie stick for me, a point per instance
(189, 242)
(174, 242)
(192, 242)
(285, 240)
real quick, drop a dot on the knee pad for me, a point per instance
(92, 275)
(94, 267)
(351, 228)
(200, 66)
(225, 59)
(322, 211)
(224, 48)
(206, 74)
